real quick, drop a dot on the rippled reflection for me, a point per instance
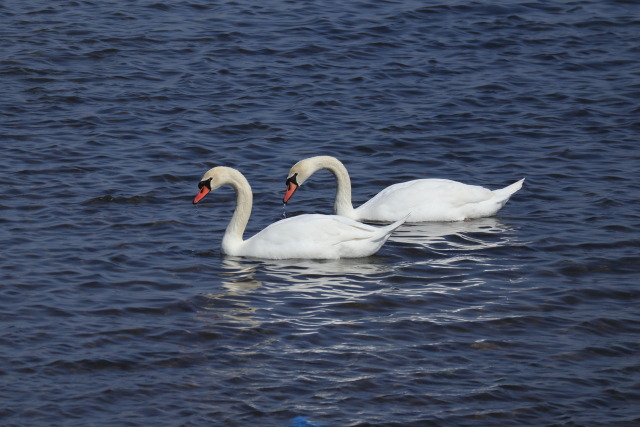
(229, 304)
(432, 233)
(455, 251)
(239, 275)
(302, 274)
(247, 284)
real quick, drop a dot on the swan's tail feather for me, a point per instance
(503, 194)
(386, 231)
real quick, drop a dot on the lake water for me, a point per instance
(118, 308)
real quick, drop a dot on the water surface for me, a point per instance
(118, 308)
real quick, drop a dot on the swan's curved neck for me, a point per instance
(232, 239)
(342, 205)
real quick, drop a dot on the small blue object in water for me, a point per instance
(304, 422)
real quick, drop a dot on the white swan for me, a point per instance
(425, 199)
(305, 236)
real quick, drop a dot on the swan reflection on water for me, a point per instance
(271, 281)
(438, 248)
(239, 274)
(479, 233)
(301, 274)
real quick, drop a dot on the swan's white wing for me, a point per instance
(432, 190)
(425, 199)
(313, 236)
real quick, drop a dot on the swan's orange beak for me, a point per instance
(291, 188)
(204, 190)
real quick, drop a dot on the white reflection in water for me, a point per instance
(460, 247)
(229, 304)
(302, 274)
(435, 233)
(278, 281)
(239, 275)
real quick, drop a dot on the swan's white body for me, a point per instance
(421, 199)
(305, 236)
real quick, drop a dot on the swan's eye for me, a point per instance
(292, 180)
(205, 183)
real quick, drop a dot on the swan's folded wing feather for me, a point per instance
(312, 230)
(422, 191)
(436, 199)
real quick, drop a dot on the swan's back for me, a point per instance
(435, 200)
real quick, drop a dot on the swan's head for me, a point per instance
(298, 174)
(211, 180)
(292, 185)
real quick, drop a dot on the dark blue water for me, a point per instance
(118, 308)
